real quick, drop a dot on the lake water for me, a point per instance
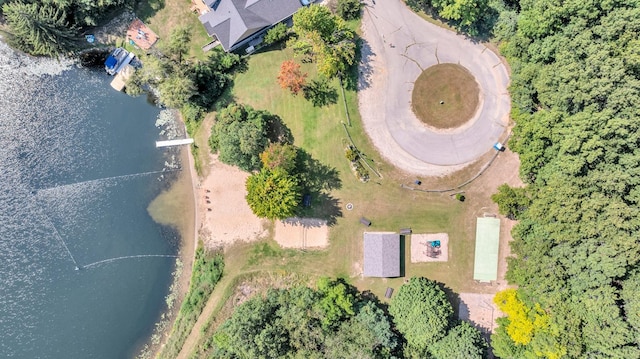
(78, 168)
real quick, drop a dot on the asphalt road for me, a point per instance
(398, 46)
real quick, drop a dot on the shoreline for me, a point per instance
(175, 208)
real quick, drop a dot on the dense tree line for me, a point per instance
(324, 38)
(193, 86)
(52, 27)
(470, 16)
(337, 321)
(575, 91)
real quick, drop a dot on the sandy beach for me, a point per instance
(223, 215)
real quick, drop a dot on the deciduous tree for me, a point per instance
(239, 135)
(280, 156)
(176, 90)
(421, 312)
(512, 201)
(273, 194)
(276, 33)
(290, 77)
(467, 12)
(325, 38)
(462, 342)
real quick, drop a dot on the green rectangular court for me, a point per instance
(485, 268)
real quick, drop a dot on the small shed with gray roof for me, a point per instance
(236, 22)
(381, 254)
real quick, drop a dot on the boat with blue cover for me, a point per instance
(117, 60)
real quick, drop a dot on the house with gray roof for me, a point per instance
(381, 254)
(237, 22)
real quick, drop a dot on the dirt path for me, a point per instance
(213, 302)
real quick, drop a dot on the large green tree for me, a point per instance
(273, 194)
(280, 156)
(325, 38)
(176, 90)
(368, 334)
(462, 342)
(466, 12)
(512, 201)
(421, 312)
(239, 135)
(212, 76)
(287, 323)
(39, 28)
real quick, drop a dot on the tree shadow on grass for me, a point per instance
(320, 93)
(278, 132)
(317, 180)
(316, 176)
(147, 9)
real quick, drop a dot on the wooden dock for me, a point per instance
(141, 35)
(185, 141)
(120, 80)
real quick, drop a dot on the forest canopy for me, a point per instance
(575, 91)
(335, 320)
(52, 27)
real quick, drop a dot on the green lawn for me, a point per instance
(445, 96)
(319, 131)
(162, 16)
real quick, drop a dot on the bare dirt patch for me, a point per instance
(422, 251)
(445, 96)
(480, 310)
(225, 216)
(115, 30)
(302, 233)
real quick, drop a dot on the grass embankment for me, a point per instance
(445, 96)
(207, 271)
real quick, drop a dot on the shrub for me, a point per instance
(276, 34)
(351, 154)
(349, 9)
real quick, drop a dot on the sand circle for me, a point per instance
(445, 96)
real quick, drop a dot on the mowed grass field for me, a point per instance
(445, 96)
(320, 132)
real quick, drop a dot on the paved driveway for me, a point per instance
(398, 46)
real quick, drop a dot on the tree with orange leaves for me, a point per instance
(290, 77)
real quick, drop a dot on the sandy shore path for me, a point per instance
(223, 218)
